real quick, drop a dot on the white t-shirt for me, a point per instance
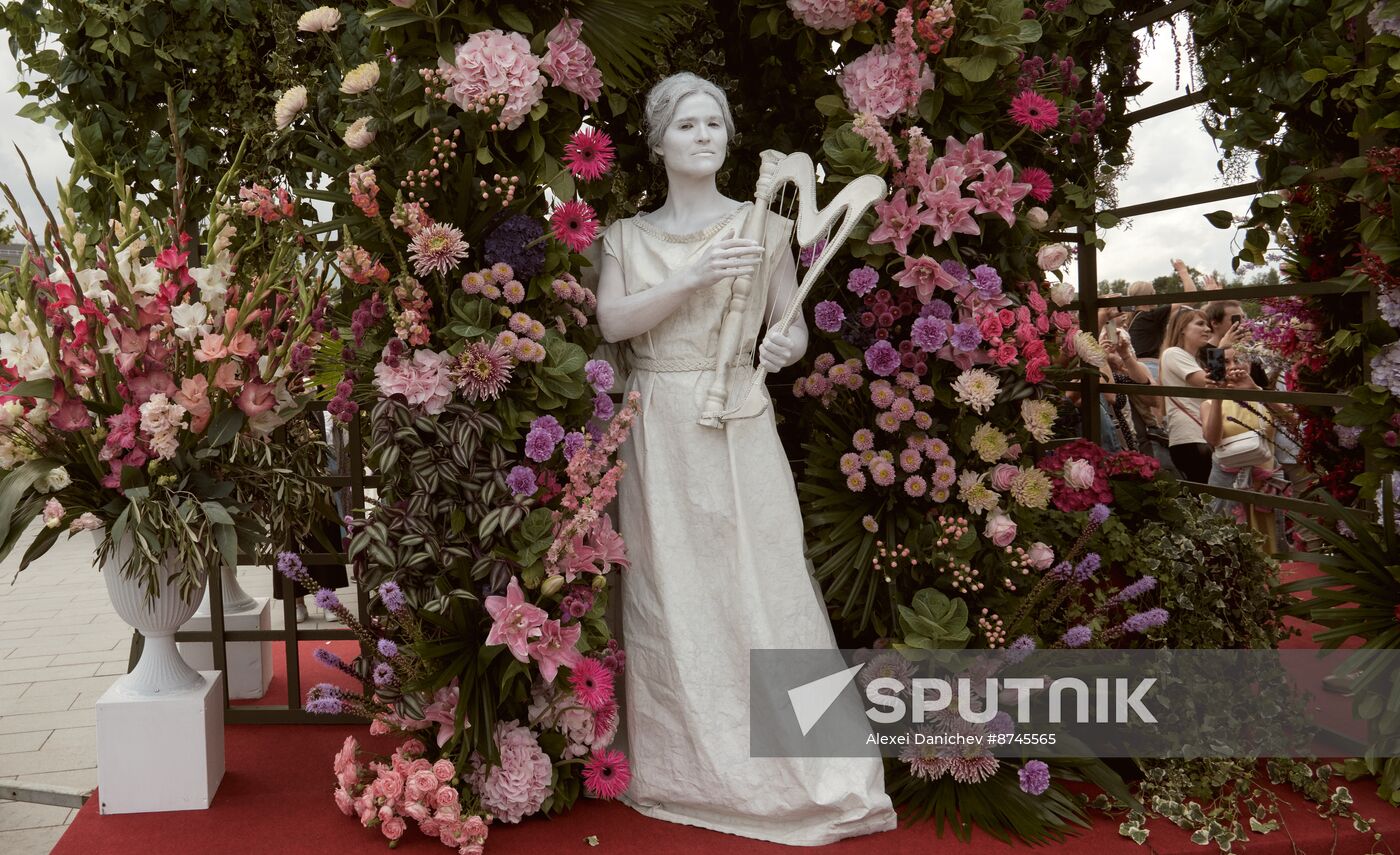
(1182, 429)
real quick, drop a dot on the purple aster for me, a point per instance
(600, 374)
(1143, 621)
(1133, 591)
(1087, 567)
(862, 281)
(929, 334)
(937, 309)
(391, 595)
(1098, 513)
(1035, 777)
(383, 674)
(955, 269)
(573, 441)
(882, 358)
(966, 337)
(829, 316)
(327, 600)
(521, 481)
(987, 281)
(325, 706)
(387, 648)
(1077, 636)
(602, 407)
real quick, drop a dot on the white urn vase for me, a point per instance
(161, 670)
(236, 600)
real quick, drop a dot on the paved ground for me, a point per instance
(61, 647)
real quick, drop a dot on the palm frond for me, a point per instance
(628, 36)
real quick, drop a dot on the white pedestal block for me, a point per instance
(249, 662)
(160, 753)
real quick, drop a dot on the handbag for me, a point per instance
(1244, 451)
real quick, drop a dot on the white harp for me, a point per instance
(848, 207)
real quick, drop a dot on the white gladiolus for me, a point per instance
(358, 135)
(360, 79)
(322, 19)
(289, 106)
(190, 320)
(93, 283)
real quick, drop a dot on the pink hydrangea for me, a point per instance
(824, 14)
(490, 63)
(516, 788)
(425, 381)
(885, 82)
(569, 62)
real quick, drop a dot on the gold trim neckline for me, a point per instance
(706, 232)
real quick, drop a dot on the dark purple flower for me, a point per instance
(1034, 777)
(810, 253)
(1098, 513)
(955, 269)
(929, 334)
(325, 706)
(862, 281)
(327, 658)
(289, 565)
(1020, 649)
(387, 648)
(510, 243)
(539, 445)
(829, 316)
(1077, 636)
(391, 595)
(882, 358)
(966, 337)
(987, 281)
(1143, 621)
(600, 374)
(521, 481)
(1062, 571)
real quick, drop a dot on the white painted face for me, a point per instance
(696, 139)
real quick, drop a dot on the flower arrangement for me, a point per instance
(141, 389)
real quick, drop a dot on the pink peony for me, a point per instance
(425, 382)
(824, 14)
(884, 83)
(569, 62)
(516, 788)
(491, 63)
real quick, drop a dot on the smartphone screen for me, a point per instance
(1215, 363)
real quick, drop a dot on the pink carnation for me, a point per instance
(885, 82)
(569, 62)
(824, 14)
(426, 380)
(490, 63)
(516, 788)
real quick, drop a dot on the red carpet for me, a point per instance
(275, 799)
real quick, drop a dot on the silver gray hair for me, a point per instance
(666, 96)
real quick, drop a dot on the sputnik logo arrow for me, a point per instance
(810, 701)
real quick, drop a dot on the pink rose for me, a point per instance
(424, 781)
(242, 345)
(429, 827)
(474, 849)
(344, 802)
(474, 826)
(1013, 452)
(393, 827)
(1052, 257)
(445, 796)
(194, 397)
(1078, 473)
(444, 770)
(1002, 476)
(1000, 529)
(390, 783)
(417, 811)
(990, 326)
(1040, 556)
(378, 728)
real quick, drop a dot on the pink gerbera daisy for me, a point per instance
(1033, 110)
(607, 774)
(575, 225)
(589, 154)
(593, 683)
(436, 249)
(482, 371)
(1039, 179)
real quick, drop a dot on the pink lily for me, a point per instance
(514, 621)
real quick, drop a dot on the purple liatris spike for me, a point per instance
(1087, 567)
(1133, 591)
(387, 648)
(1063, 570)
(289, 565)
(1077, 636)
(326, 599)
(327, 658)
(392, 596)
(1143, 621)
(1098, 513)
(325, 706)
(383, 674)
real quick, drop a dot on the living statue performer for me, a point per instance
(708, 506)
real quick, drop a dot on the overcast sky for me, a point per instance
(1173, 155)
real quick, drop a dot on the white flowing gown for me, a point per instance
(715, 538)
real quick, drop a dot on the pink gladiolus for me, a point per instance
(211, 347)
(194, 397)
(226, 378)
(514, 622)
(71, 415)
(242, 345)
(256, 398)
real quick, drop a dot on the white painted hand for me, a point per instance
(775, 353)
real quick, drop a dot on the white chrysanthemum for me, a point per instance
(1031, 488)
(360, 79)
(1089, 349)
(322, 19)
(1039, 417)
(977, 388)
(289, 106)
(358, 135)
(57, 479)
(989, 443)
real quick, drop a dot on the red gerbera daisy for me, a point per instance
(575, 225)
(1039, 179)
(589, 154)
(1033, 110)
(607, 774)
